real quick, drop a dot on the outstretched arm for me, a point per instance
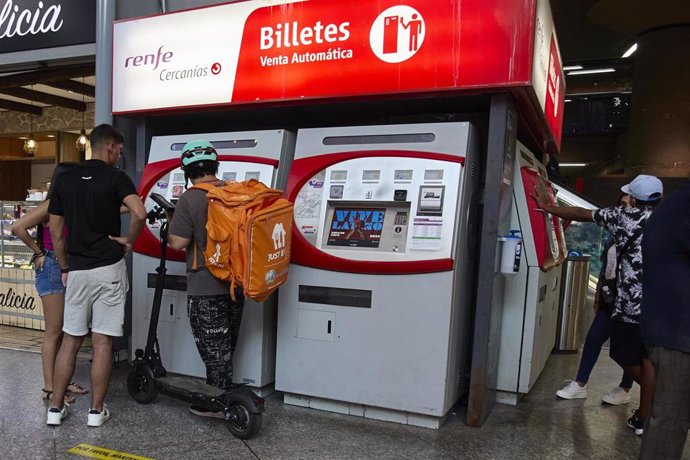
(566, 212)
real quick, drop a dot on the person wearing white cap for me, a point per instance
(626, 225)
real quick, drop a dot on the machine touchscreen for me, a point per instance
(356, 227)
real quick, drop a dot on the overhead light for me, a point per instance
(50, 135)
(572, 164)
(568, 100)
(30, 145)
(572, 67)
(588, 71)
(82, 140)
(630, 51)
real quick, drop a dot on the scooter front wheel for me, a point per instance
(140, 386)
(242, 423)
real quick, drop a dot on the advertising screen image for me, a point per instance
(356, 227)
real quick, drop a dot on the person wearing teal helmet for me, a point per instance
(199, 159)
(214, 317)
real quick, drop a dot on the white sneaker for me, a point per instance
(56, 416)
(616, 396)
(97, 418)
(572, 391)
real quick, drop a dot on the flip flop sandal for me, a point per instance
(48, 395)
(76, 389)
(69, 398)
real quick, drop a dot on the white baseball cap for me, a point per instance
(644, 188)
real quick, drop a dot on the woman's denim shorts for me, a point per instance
(49, 278)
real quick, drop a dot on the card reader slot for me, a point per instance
(358, 298)
(172, 282)
(380, 139)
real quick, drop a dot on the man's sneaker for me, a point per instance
(201, 412)
(572, 391)
(56, 416)
(636, 424)
(617, 396)
(98, 418)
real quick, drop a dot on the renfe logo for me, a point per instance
(12, 22)
(397, 34)
(148, 59)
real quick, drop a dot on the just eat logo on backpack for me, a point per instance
(248, 236)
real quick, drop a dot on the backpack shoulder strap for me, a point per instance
(206, 187)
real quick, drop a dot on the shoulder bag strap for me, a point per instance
(629, 243)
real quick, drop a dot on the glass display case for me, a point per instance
(13, 252)
(20, 304)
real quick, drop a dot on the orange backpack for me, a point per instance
(248, 236)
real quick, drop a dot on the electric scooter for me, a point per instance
(241, 407)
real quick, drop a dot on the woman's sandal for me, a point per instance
(76, 389)
(48, 395)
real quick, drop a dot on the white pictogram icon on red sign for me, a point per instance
(397, 34)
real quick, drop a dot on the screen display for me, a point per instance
(356, 227)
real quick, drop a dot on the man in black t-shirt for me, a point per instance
(86, 200)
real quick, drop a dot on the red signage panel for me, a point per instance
(322, 48)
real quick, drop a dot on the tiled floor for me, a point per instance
(20, 339)
(540, 427)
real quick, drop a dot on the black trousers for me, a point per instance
(215, 322)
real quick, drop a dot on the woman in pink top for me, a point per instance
(49, 286)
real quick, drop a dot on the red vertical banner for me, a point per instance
(555, 94)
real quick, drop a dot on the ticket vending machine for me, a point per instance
(374, 318)
(262, 155)
(531, 296)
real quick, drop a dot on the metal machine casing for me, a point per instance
(531, 298)
(265, 155)
(380, 325)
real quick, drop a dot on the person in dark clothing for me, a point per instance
(626, 225)
(665, 324)
(214, 317)
(87, 200)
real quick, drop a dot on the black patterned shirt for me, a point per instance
(622, 223)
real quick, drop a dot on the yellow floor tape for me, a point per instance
(101, 453)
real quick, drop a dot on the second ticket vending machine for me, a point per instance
(374, 319)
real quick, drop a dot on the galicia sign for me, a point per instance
(33, 24)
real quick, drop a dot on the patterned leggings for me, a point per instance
(215, 321)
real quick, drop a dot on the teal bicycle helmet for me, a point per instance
(194, 151)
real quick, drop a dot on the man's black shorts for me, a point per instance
(627, 348)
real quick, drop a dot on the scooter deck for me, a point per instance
(191, 385)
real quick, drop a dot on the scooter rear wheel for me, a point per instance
(242, 423)
(141, 386)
